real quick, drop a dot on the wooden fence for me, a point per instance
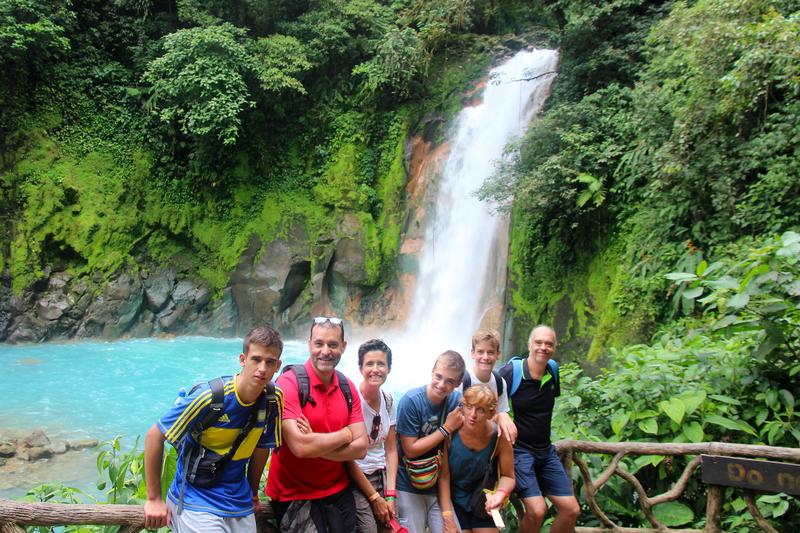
(14, 514)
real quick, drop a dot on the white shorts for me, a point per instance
(199, 522)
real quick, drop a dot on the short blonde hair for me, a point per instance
(486, 335)
(482, 395)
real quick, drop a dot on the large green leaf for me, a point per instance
(693, 431)
(649, 426)
(618, 421)
(673, 514)
(735, 425)
(674, 407)
(692, 400)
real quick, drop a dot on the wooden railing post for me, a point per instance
(714, 509)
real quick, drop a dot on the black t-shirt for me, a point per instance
(532, 405)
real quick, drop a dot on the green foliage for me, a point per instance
(400, 60)
(202, 82)
(726, 375)
(34, 32)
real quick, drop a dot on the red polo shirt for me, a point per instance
(292, 478)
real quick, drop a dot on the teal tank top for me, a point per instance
(467, 469)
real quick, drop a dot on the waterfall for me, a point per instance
(461, 240)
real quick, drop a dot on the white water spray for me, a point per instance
(451, 295)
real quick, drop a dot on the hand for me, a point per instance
(392, 509)
(156, 514)
(258, 507)
(507, 428)
(494, 500)
(303, 425)
(454, 420)
(381, 510)
(449, 524)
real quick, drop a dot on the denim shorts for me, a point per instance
(540, 473)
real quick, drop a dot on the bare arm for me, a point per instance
(356, 449)
(415, 446)
(156, 514)
(380, 507)
(506, 483)
(443, 490)
(312, 445)
(507, 427)
(390, 446)
(254, 471)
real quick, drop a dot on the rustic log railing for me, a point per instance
(15, 514)
(570, 451)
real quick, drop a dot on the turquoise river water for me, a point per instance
(99, 390)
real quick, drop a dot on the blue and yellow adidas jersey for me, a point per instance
(232, 495)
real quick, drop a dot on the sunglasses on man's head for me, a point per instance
(319, 320)
(376, 427)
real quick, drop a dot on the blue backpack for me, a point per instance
(516, 375)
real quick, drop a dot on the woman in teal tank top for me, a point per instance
(467, 459)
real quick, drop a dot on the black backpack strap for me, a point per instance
(215, 408)
(500, 383)
(344, 385)
(303, 384)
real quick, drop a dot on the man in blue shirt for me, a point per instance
(228, 504)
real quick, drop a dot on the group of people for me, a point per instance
(349, 458)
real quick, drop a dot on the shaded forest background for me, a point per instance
(655, 201)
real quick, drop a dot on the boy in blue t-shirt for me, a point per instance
(425, 417)
(228, 504)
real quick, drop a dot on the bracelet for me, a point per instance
(444, 431)
(375, 496)
(447, 513)
(389, 493)
(390, 498)
(505, 494)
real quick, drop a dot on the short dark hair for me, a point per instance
(372, 345)
(263, 336)
(452, 359)
(326, 323)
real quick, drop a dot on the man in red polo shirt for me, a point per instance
(307, 481)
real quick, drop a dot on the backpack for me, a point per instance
(304, 386)
(516, 375)
(193, 456)
(467, 381)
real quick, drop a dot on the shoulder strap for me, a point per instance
(389, 401)
(303, 384)
(516, 374)
(344, 385)
(215, 409)
(553, 366)
(466, 381)
(499, 381)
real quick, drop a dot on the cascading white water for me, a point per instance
(463, 231)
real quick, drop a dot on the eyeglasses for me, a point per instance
(376, 427)
(334, 321)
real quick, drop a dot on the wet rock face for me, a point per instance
(282, 282)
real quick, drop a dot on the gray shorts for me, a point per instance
(365, 519)
(199, 522)
(415, 510)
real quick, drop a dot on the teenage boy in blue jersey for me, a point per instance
(538, 471)
(229, 503)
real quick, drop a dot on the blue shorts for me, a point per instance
(540, 473)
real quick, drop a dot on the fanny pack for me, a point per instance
(423, 473)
